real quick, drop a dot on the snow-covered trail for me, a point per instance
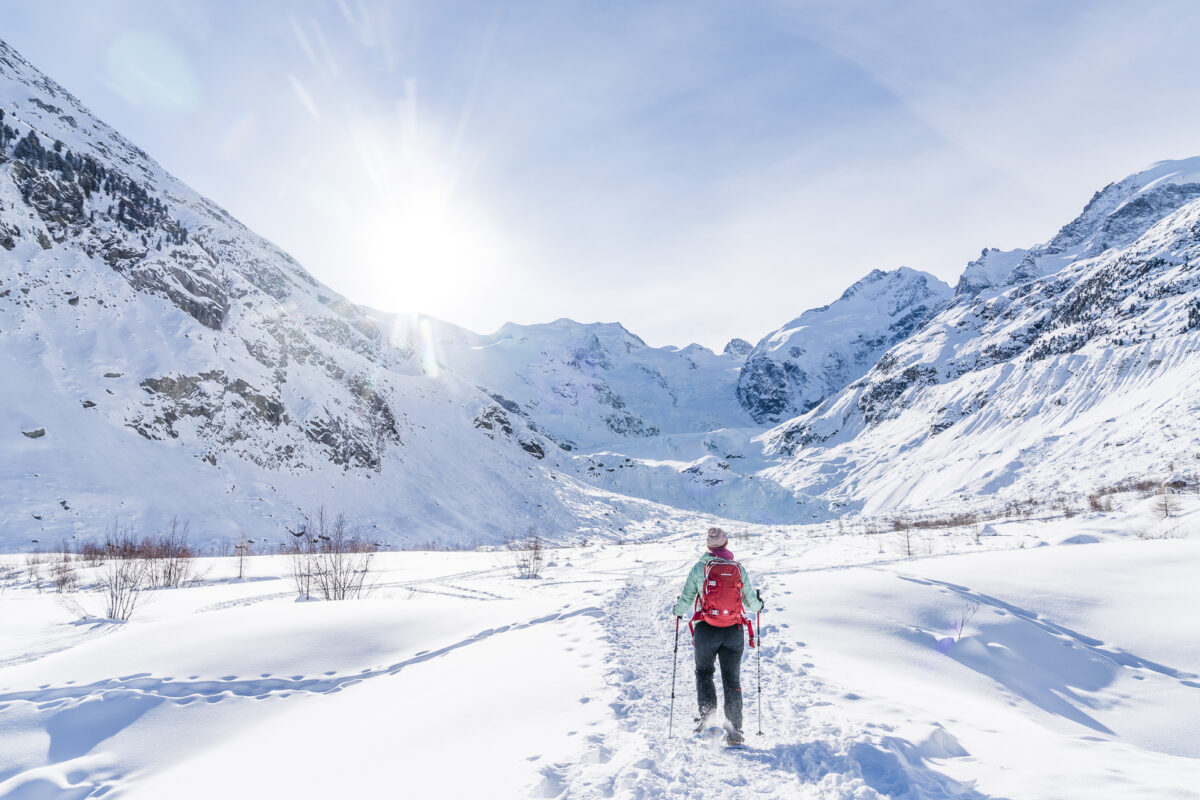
(807, 749)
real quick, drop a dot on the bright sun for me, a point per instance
(427, 244)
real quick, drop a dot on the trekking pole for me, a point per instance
(674, 662)
(760, 645)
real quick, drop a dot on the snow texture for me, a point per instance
(989, 667)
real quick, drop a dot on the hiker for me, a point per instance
(718, 587)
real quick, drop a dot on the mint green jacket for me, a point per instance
(695, 579)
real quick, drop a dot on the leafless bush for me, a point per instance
(170, 562)
(526, 556)
(964, 616)
(167, 560)
(33, 568)
(91, 554)
(9, 575)
(328, 557)
(1165, 531)
(433, 545)
(123, 583)
(62, 571)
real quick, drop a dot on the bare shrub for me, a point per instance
(526, 556)
(123, 581)
(328, 557)
(170, 562)
(9, 575)
(964, 616)
(91, 554)
(33, 568)
(62, 571)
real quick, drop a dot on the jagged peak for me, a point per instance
(1113, 217)
(737, 347)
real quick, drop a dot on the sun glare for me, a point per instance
(427, 245)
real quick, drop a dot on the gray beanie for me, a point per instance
(717, 538)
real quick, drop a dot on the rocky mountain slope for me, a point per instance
(586, 386)
(1033, 384)
(816, 355)
(162, 360)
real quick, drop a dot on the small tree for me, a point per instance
(242, 548)
(906, 535)
(1164, 503)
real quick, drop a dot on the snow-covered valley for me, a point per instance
(972, 510)
(1048, 658)
(163, 361)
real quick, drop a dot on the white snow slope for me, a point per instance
(162, 360)
(1076, 675)
(1064, 383)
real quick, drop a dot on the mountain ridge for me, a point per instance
(162, 355)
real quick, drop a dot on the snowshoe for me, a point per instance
(734, 739)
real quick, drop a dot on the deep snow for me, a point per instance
(1077, 677)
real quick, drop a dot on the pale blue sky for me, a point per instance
(694, 170)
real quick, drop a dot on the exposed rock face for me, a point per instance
(738, 347)
(583, 385)
(814, 356)
(1043, 383)
(1114, 217)
(256, 392)
(235, 367)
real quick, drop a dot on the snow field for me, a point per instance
(1077, 676)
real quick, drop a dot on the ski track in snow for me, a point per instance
(807, 750)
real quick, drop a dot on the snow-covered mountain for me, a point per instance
(161, 359)
(814, 356)
(586, 385)
(159, 355)
(1031, 386)
(1114, 217)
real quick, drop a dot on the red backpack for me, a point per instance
(719, 602)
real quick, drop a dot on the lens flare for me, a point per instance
(427, 343)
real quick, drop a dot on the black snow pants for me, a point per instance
(726, 646)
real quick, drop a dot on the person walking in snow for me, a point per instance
(716, 591)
